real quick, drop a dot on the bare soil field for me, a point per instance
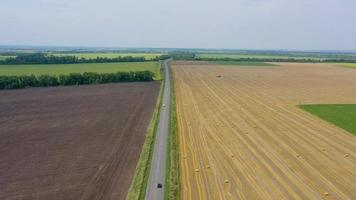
(72, 143)
(242, 136)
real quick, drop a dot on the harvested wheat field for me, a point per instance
(242, 136)
(72, 143)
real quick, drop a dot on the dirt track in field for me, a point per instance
(72, 143)
(242, 137)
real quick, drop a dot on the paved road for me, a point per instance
(157, 173)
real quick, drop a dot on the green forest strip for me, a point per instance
(138, 186)
(285, 56)
(297, 60)
(41, 58)
(342, 115)
(87, 78)
(243, 63)
(172, 182)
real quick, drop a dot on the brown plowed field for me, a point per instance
(242, 136)
(72, 143)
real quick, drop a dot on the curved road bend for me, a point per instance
(158, 167)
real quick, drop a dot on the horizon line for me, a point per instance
(178, 48)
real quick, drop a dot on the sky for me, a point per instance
(222, 24)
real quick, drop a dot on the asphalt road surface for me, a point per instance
(158, 167)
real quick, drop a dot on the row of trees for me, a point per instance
(305, 60)
(40, 58)
(186, 55)
(182, 55)
(15, 82)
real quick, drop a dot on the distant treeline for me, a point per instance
(40, 58)
(300, 60)
(182, 55)
(16, 82)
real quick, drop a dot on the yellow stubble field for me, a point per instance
(241, 135)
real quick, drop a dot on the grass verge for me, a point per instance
(342, 115)
(240, 63)
(172, 181)
(138, 186)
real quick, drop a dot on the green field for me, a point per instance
(108, 55)
(54, 69)
(239, 63)
(342, 115)
(4, 57)
(348, 65)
